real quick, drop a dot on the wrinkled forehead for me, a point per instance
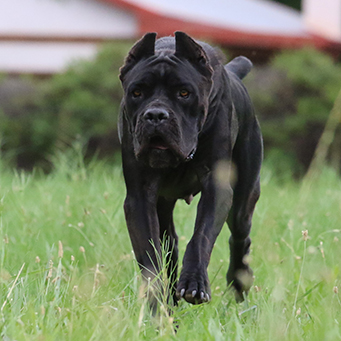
(165, 68)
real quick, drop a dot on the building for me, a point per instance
(44, 36)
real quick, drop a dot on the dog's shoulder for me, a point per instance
(214, 54)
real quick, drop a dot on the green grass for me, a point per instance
(89, 289)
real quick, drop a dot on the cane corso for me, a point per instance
(187, 125)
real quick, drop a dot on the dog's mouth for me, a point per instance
(159, 151)
(160, 145)
(158, 142)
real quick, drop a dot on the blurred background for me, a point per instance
(59, 64)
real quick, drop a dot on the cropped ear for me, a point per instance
(143, 48)
(187, 48)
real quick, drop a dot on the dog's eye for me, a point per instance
(137, 93)
(184, 93)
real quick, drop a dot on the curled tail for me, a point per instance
(240, 66)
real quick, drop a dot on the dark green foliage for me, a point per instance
(81, 103)
(26, 132)
(86, 97)
(293, 97)
(292, 3)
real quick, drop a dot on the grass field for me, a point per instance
(68, 272)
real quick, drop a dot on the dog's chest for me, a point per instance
(179, 183)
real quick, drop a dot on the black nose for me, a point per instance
(156, 115)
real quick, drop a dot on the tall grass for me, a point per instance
(67, 270)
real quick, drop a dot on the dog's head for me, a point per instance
(166, 92)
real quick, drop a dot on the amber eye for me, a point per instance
(183, 93)
(137, 93)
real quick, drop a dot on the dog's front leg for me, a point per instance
(213, 209)
(143, 226)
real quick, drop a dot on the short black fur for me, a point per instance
(187, 125)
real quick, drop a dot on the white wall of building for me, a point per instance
(66, 18)
(43, 36)
(323, 17)
(42, 57)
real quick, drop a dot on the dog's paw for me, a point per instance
(240, 281)
(193, 286)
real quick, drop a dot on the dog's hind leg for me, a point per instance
(170, 241)
(247, 156)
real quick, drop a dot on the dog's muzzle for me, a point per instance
(156, 116)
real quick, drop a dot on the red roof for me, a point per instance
(158, 20)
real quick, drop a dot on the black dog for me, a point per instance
(187, 126)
